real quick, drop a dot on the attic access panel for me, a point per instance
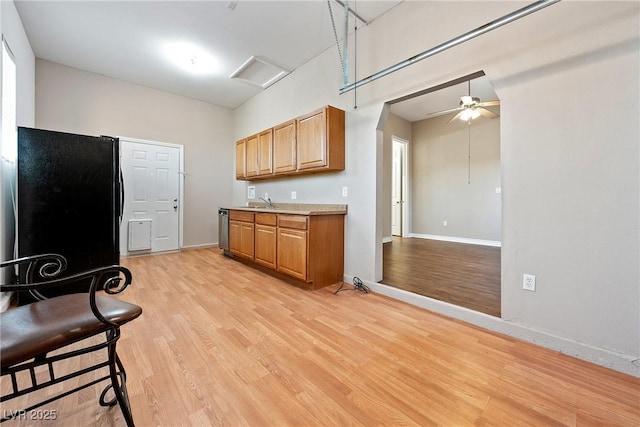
(259, 72)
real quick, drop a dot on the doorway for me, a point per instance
(450, 248)
(153, 182)
(399, 192)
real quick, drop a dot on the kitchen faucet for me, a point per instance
(267, 201)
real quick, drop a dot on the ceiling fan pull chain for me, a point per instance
(469, 151)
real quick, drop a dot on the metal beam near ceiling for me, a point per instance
(351, 11)
(520, 13)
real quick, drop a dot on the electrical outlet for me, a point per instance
(266, 196)
(344, 191)
(251, 192)
(529, 282)
(294, 195)
(445, 223)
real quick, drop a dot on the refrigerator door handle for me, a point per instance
(121, 196)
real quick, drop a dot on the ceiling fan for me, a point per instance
(470, 108)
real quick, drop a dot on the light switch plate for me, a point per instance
(251, 192)
(294, 195)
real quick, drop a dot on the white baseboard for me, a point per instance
(201, 246)
(495, 243)
(624, 363)
(387, 239)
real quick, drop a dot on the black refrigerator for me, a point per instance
(68, 200)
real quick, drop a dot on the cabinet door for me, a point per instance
(252, 156)
(234, 237)
(246, 240)
(292, 253)
(241, 154)
(312, 140)
(265, 253)
(265, 149)
(284, 147)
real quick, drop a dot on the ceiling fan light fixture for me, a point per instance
(466, 100)
(469, 114)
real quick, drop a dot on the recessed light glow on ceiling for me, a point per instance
(191, 58)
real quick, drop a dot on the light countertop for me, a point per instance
(293, 208)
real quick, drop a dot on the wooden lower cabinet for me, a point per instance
(292, 253)
(265, 245)
(308, 248)
(265, 239)
(241, 234)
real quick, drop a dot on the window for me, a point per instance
(9, 127)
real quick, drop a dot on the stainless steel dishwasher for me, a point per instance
(223, 231)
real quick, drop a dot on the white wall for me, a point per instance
(13, 32)
(567, 78)
(71, 100)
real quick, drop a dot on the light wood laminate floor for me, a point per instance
(222, 344)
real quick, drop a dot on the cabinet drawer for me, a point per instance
(241, 216)
(298, 222)
(266, 218)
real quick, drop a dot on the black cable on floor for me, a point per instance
(357, 286)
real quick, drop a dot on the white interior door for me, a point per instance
(151, 176)
(397, 201)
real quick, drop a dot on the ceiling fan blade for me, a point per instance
(486, 113)
(489, 103)
(441, 113)
(457, 116)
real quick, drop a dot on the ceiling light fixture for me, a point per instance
(191, 58)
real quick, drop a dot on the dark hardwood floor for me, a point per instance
(458, 273)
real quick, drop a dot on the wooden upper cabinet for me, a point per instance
(312, 140)
(265, 150)
(311, 143)
(320, 140)
(252, 156)
(241, 170)
(284, 147)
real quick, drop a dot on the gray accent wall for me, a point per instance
(455, 172)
